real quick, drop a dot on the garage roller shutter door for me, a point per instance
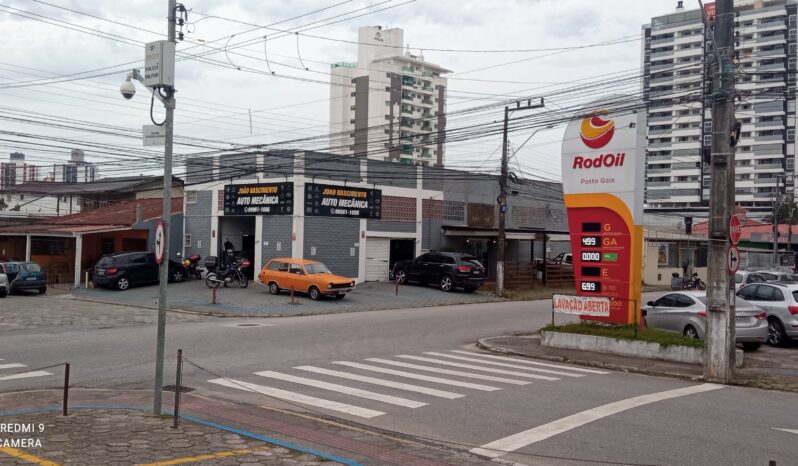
(377, 250)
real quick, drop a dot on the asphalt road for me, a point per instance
(640, 420)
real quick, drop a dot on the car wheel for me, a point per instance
(43, 290)
(447, 283)
(690, 332)
(177, 276)
(122, 284)
(273, 288)
(400, 276)
(314, 293)
(751, 346)
(776, 335)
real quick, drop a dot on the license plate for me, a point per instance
(741, 319)
(31, 278)
(342, 292)
(101, 272)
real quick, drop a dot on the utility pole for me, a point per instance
(502, 200)
(720, 347)
(166, 216)
(776, 204)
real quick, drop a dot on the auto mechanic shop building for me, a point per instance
(360, 216)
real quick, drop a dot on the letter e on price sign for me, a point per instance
(735, 229)
(160, 243)
(733, 259)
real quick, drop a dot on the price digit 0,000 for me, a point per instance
(591, 257)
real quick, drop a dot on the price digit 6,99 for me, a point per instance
(594, 287)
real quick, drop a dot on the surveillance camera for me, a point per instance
(127, 89)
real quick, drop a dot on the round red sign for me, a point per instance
(735, 229)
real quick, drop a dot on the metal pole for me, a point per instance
(166, 217)
(719, 362)
(66, 389)
(502, 204)
(178, 383)
(776, 222)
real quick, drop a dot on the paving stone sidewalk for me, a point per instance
(255, 301)
(121, 438)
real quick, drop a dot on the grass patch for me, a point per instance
(626, 332)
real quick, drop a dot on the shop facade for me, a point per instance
(358, 216)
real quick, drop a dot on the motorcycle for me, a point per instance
(191, 263)
(693, 283)
(233, 271)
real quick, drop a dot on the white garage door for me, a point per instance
(377, 250)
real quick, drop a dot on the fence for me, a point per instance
(558, 275)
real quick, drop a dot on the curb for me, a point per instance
(485, 345)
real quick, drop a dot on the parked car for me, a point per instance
(780, 303)
(306, 276)
(121, 270)
(3, 285)
(778, 276)
(444, 269)
(563, 258)
(745, 277)
(685, 312)
(24, 276)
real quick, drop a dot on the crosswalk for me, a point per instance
(407, 374)
(15, 371)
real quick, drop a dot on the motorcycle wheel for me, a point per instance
(212, 281)
(243, 281)
(701, 286)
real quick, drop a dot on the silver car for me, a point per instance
(744, 277)
(685, 312)
(779, 301)
(3, 285)
(778, 276)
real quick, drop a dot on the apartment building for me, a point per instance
(390, 105)
(678, 91)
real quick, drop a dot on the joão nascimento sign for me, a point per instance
(342, 201)
(259, 199)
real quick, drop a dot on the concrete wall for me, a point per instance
(277, 231)
(333, 239)
(403, 227)
(175, 234)
(198, 224)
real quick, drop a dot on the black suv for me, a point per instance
(120, 270)
(445, 269)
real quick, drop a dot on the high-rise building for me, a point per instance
(76, 170)
(16, 171)
(390, 105)
(678, 91)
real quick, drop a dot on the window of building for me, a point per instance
(791, 63)
(186, 241)
(790, 135)
(191, 197)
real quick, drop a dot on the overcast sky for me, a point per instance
(215, 100)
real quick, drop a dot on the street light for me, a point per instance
(128, 90)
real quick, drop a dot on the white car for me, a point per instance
(746, 277)
(3, 285)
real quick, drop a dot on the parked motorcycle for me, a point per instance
(693, 283)
(232, 271)
(191, 263)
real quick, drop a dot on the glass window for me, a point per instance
(423, 258)
(769, 276)
(137, 259)
(449, 260)
(748, 292)
(31, 267)
(666, 301)
(283, 266)
(435, 259)
(683, 301)
(755, 278)
(191, 197)
(295, 269)
(274, 265)
(316, 268)
(776, 295)
(763, 293)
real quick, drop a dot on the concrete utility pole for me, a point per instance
(776, 205)
(502, 200)
(166, 216)
(720, 348)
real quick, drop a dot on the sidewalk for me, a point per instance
(768, 368)
(108, 427)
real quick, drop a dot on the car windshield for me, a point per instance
(31, 267)
(316, 268)
(106, 261)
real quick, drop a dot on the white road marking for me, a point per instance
(383, 382)
(394, 400)
(410, 375)
(478, 368)
(534, 363)
(25, 375)
(296, 397)
(528, 437)
(514, 366)
(792, 431)
(438, 370)
(11, 366)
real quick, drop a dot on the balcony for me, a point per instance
(765, 181)
(769, 166)
(652, 184)
(660, 118)
(770, 124)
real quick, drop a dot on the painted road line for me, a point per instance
(528, 437)
(11, 366)
(478, 368)
(792, 431)
(438, 370)
(534, 363)
(393, 400)
(25, 375)
(383, 382)
(194, 459)
(21, 455)
(502, 364)
(296, 397)
(410, 375)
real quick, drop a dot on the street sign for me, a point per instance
(154, 135)
(159, 64)
(160, 243)
(733, 259)
(735, 229)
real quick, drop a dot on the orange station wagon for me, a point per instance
(307, 276)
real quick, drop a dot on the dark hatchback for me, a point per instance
(446, 270)
(24, 276)
(121, 270)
